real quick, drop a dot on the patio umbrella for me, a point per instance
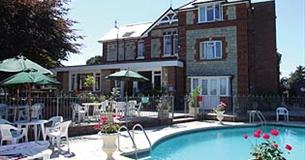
(20, 64)
(29, 78)
(126, 75)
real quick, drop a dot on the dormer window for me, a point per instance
(209, 13)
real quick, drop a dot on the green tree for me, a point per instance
(38, 29)
(295, 80)
(94, 60)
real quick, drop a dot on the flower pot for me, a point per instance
(220, 116)
(109, 144)
(163, 114)
(193, 110)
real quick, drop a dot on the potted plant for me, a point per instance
(220, 110)
(163, 107)
(108, 132)
(268, 149)
(193, 101)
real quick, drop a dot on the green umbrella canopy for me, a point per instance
(30, 77)
(127, 75)
(20, 64)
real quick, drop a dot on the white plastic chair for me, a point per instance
(36, 112)
(79, 111)
(120, 109)
(132, 109)
(103, 107)
(282, 111)
(4, 121)
(52, 122)
(11, 134)
(58, 132)
(3, 110)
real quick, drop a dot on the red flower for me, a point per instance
(259, 131)
(288, 147)
(266, 136)
(275, 145)
(274, 132)
(245, 136)
(256, 135)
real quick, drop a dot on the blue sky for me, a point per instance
(96, 17)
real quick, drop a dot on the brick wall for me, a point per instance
(266, 72)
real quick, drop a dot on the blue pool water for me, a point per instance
(225, 144)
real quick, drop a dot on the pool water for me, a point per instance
(225, 144)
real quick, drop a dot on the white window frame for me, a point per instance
(177, 41)
(206, 13)
(171, 45)
(200, 78)
(141, 50)
(203, 50)
(97, 75)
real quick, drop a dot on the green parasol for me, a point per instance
(20, 64)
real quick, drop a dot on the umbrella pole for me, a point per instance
(29, 101)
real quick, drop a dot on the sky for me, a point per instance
(96, 17)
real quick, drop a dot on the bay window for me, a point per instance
(212, 86)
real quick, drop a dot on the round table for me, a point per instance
(34, 123)
(26, 151)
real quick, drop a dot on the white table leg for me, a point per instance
(43, 131)
(35, 132)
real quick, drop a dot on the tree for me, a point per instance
(38, 29)
(295, 80)
(95, 60)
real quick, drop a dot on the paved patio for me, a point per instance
(90, 146)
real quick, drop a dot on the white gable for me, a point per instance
(126, 32)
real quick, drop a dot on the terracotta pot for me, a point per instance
(220, 116)
(109, 144)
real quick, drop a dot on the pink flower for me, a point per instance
(245, 136)
(259, 131)
(275, 145)
(288, 147)
(266, 136)
(256, 135)
(274, 132)
(223, 104)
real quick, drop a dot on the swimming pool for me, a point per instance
(224, 144)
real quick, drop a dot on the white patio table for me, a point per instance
(34, 123)
(95, 107)
(15, 108)
(26, 151)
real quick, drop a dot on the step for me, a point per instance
(183, 120)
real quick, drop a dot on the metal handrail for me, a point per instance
(131, 137)
(261, 117)
(143, 130)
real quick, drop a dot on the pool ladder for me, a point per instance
(132, 137)
(259, 115)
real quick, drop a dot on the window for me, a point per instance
(175, 43)
(211, 50)
(223, 86)
(167, 42)
(97, 82)
(195, 83)
(170, 43)
(73, 79)
(204, 87)
(213, 86)
(140, 49)
(209, 13)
